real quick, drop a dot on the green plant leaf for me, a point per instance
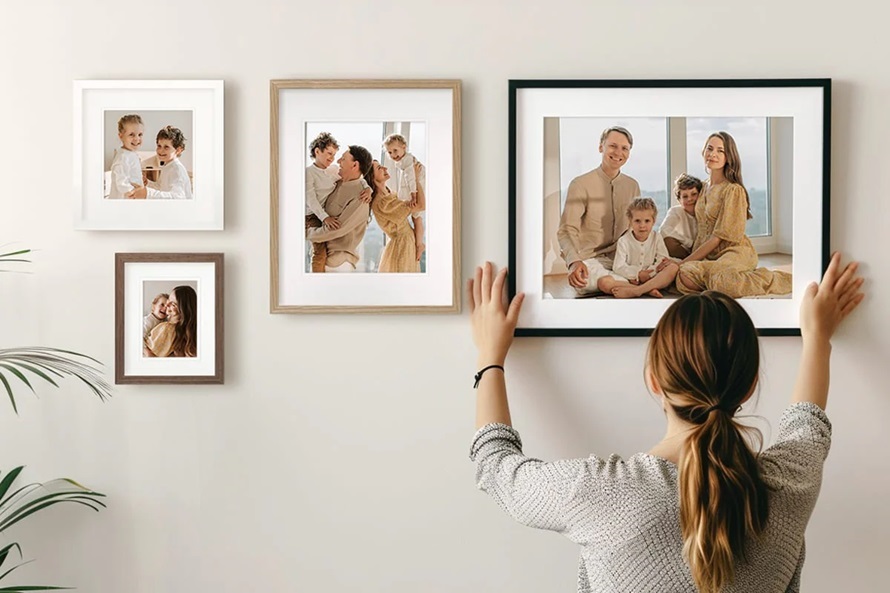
(38, 372)
(19, 252)
(23, 509)
(7, 481)
(9, 257)
(8, 572)
(39, 504)
(49, 364)
(32, 498)
(22, 589)
(9, 392)
(18, 374)
(5, 552)
(18, 494)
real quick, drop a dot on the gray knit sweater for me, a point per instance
(625, 514)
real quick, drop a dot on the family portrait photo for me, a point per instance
(366, 199)
(168, 318)
(148, 155)
(659, 207)
(626, 195)
(365, 196)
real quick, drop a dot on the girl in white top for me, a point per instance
(126, 169)
(679, 227)
(638, 252)
(173, 179)
(700, 512)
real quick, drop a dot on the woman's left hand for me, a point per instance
(365, 196)
(493, 322)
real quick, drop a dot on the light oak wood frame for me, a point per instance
(278, 85)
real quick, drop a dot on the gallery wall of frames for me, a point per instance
(609, 200)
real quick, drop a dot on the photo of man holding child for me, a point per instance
(359, 217)
(614, 241)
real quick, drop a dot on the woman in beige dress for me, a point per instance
(178, 335)
(400, 253)
(722, 256)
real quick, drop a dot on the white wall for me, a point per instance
(335, 456)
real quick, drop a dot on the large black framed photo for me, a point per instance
(626, 194)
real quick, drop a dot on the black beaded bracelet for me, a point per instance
(478, 375)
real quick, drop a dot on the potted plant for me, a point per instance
(21, 366)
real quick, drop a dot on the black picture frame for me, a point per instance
(799, 108)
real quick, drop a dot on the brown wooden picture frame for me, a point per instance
(285, 227)
(202, 369)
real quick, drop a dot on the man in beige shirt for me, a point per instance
(346, 205)
(595, 213)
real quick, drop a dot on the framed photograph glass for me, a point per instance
(168, 318)
(626, 194)
(365, 196)
(148, 155)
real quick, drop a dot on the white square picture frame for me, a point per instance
(195, 107)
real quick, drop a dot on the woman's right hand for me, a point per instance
(827, 304)
(493, 322)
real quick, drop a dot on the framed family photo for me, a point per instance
(168, 318)
(626, 194)
(365, 204)
(148, 154)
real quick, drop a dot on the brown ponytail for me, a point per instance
(705, 356)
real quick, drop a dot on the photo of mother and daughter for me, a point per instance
(170, 326)
(341, 200)
(608, 241)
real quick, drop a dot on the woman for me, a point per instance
(178, 335)
(722, 257)
(400, 253)
(700, 512)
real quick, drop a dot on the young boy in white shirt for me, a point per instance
(680, 227)
(173, 179)
(397, 148)
(126, 170)
(639, 253)
(321, 179)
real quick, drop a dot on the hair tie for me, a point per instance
(705, 414)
